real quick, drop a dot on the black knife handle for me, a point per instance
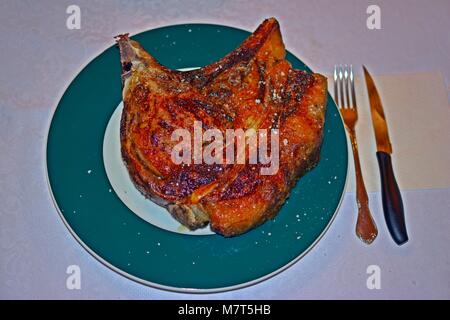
(392, 200)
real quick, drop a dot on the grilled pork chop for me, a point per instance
(254, 86)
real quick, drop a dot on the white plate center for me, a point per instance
(123, 186)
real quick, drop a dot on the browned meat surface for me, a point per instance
(252, 87)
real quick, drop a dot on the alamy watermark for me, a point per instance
(211, 147)
(374, 279)
(373, 21)
(73, 281)
(73, 21)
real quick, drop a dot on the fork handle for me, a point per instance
(366, 228)
(392, 200)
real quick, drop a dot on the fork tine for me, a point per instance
(347, 92)
(335, 77)
(352, 83)
(341, 87)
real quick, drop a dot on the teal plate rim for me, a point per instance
(189, 289)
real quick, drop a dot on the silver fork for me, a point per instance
(344, 82)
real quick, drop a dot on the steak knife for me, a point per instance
(390, 192)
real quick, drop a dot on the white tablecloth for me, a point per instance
(40, 56)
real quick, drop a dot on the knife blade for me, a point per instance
(390, 192)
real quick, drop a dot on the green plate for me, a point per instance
(121, 240)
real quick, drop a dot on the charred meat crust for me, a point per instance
(252, 87)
